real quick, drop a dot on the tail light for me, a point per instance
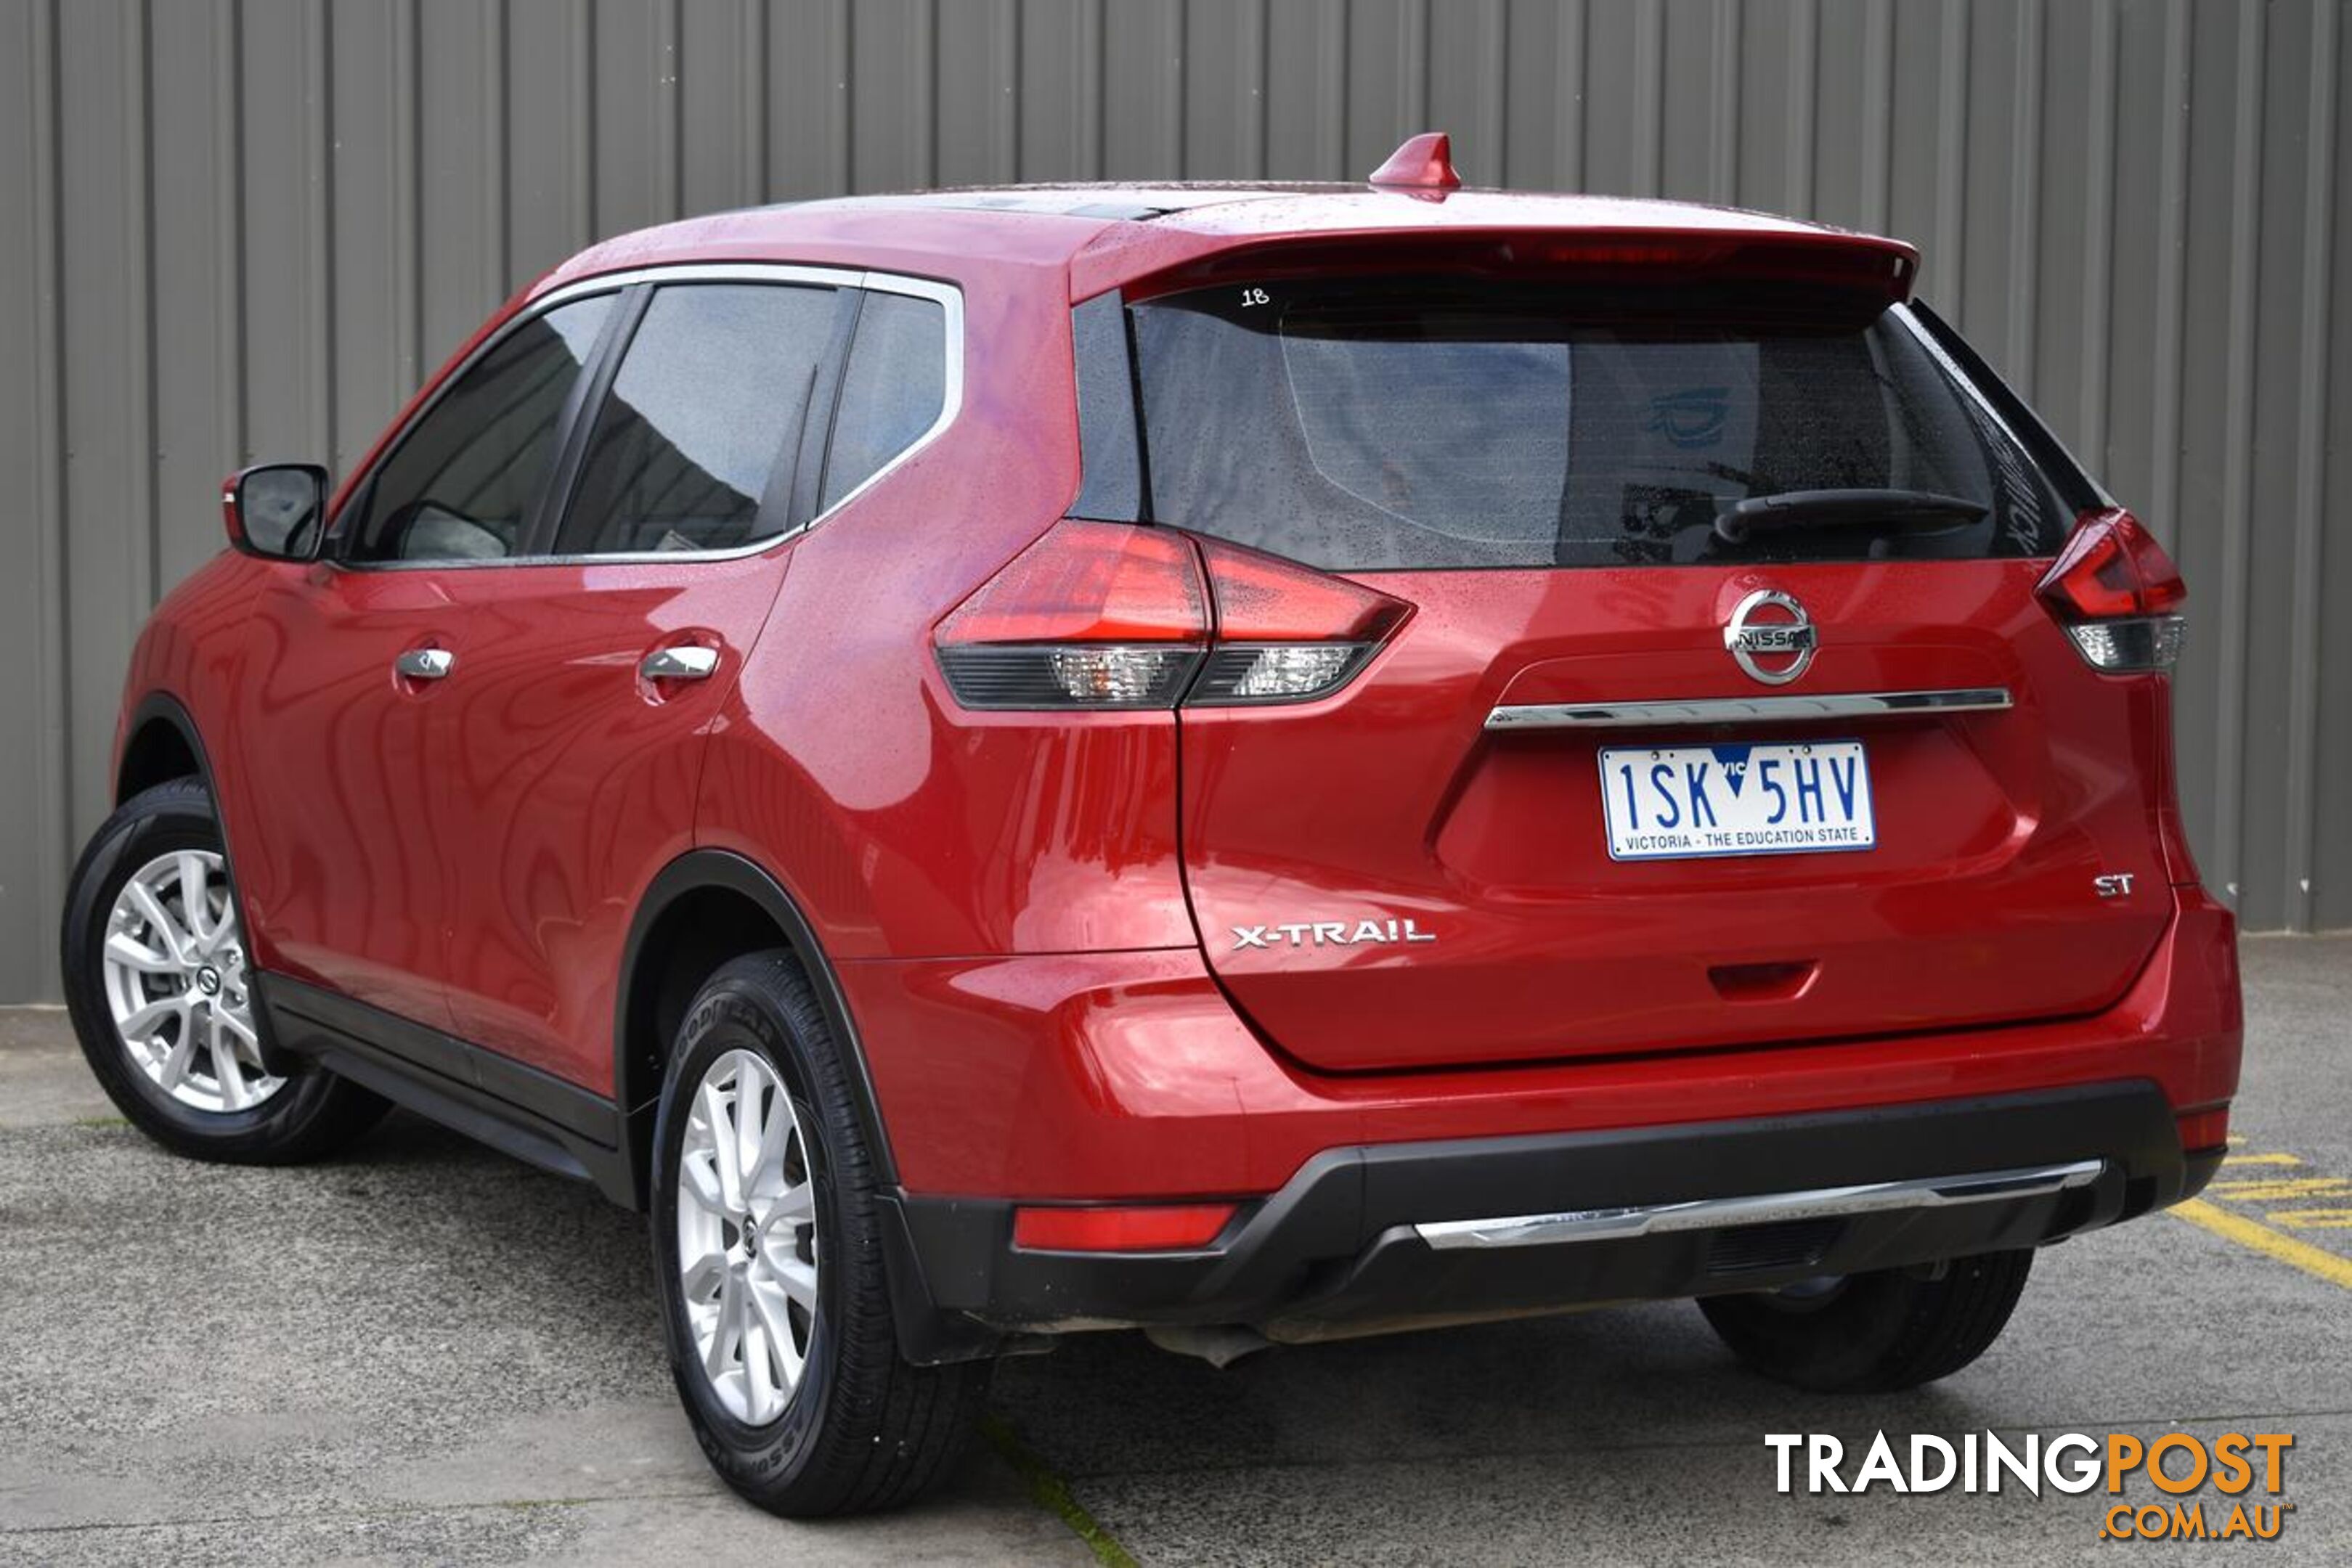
(1285, 632)
(1115, 615)
(2117, 593)
(1094, 616)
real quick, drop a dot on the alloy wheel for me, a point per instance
(174, 976)
(747, 1248)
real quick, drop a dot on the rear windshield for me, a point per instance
(1393, 426)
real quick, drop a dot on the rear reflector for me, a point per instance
(1152, 1228)
(1118, 616)
(2204, 1130)
(2116, 591)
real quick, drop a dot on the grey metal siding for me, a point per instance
(248, 229)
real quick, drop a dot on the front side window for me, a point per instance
(464, 480)
(695, 446)
(1401, 425)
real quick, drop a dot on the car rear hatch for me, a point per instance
(1629, 767)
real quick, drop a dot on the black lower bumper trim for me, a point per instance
(1335, 1250)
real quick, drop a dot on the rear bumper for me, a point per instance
(1125, 1076)
(1365, 1238)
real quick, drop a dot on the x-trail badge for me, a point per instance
(1756, 630)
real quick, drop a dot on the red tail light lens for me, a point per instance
(1139, 1228)
(1118, 616)
(2116, 591)
(1094, 616)
(1089, 582)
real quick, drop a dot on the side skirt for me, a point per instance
(533, 1115)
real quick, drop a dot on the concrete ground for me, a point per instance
(425, 1353)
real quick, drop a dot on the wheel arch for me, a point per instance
(700, 910)
(161, 742)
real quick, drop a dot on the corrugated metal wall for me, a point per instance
(241, 230)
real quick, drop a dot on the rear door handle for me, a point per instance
(426, 664)
(686, 663)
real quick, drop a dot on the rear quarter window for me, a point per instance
(1412, 425)
(892, 391)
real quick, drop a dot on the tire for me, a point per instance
(1873, 1333)
(260, 1120)
(857, 1428)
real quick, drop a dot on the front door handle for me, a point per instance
(684, 663)
(426, 664)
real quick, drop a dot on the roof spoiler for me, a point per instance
(1877, 272)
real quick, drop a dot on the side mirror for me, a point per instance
(277, 510)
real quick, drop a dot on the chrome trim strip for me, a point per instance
(1745, 710)
(947, 295)
(1764, 1208)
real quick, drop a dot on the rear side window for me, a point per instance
(1388, 426)
(465, 479)
(892, 391)
(694, 446)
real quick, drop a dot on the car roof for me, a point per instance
(1106, 233)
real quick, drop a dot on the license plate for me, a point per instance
(1682, 802)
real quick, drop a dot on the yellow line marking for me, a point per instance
(2237, 1140)
(1051, 1493)
(2316, 1262)
(2311, 1218)
(2261, 1160)
(2272, 1191)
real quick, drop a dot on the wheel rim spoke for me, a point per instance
(196, 900)
(700, 1280)
(175, 1066)
(746, 1238)
(749, 1133)
(721, 1116)
(159, 920)
(701, 1184)
(793, 1206)
(121, 949)
(759, 1359)
(225, 1069)
(798, 1281)
(764, 1177)
(140, 1027)
(714, 1351)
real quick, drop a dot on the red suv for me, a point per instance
(1264, 763)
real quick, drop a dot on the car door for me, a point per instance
(586, 681)
(342, 876)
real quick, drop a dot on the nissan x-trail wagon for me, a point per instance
(1259, 763)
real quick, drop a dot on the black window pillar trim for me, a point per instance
(577, 422)
(2076, 485)
(813, 456)
(1114, 481)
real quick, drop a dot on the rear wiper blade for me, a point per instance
(1831, 508)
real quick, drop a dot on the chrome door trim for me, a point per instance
(688, 662)
(948, 295)
(1746, 710)
(1763, 1209)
